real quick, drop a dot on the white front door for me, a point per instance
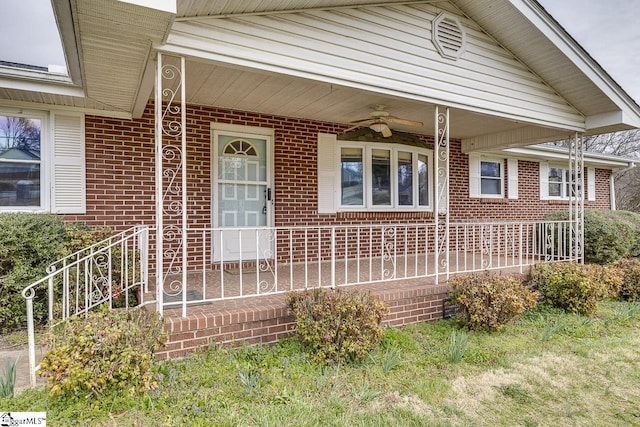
(242, 196)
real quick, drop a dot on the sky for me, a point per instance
(607, 29)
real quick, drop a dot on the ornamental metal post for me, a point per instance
(441, 199)
(576, 197)
(171, 180)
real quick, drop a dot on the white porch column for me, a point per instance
(171, 180)
(441, 199)
(576, 197)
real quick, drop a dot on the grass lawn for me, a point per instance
(546, 369)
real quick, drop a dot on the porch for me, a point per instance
(206, 299)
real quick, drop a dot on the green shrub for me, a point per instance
(28, 244)
(608, 235)
(629, 270)
(574, 287)
(106, 351)
(337, 325)
(488, 301)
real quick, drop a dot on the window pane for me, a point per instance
(351, 170)
(490, 186)
(555, 189)
(405, 178)
(490, 169)
(19, 161)
(555, 175)
(423, 184)
(381, 177)
(19, 184)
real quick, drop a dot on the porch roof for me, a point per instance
(110, 49)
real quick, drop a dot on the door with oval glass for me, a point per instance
(242, 199)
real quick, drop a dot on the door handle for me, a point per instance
(268, 190)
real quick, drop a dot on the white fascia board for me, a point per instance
(48, 107)
(169, 6)
(559, 154)
(42, 86)
(534, 12)
(618, 120)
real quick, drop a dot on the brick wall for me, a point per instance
(269, 320)
(120, 175)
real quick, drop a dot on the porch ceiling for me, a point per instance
(216, 85)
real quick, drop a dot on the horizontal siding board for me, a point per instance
(357, 45)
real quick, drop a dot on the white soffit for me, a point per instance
(115, 43)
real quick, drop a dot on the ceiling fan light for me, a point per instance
(378, 126)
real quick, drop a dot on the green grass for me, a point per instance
(547, 368)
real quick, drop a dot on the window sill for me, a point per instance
(493, 200)
(385, 214)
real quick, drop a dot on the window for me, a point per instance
(559, 183)
(491, 176)
(555, 182)
(20, 162)
(379, 177)
(42, 161)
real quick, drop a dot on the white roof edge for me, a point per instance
(539, 17)
(36, 106)
(169, 6)
(543, 152)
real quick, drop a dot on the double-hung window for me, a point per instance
(382, 177)
(21, 171)
(491, 177)
(560, 185)
(42, 161)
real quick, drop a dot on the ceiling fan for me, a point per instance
(380, 120)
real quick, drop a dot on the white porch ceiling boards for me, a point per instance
(379, 49)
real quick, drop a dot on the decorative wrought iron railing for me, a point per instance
(214, 264)
(113, 271)
(230, 263)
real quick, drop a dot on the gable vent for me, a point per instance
(448, 36)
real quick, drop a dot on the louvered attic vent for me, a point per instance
(448, 36)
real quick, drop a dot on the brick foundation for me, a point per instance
(265, 320)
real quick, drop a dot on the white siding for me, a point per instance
(383, 48)
(68, 189)
(326, 173)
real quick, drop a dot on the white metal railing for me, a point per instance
(230, 263)
(213, 264)
(113, 271)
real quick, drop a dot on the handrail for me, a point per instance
(87, 280)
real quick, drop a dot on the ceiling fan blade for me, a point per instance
(397, 120)
(362, 121)
(386, 132)
(352, 128)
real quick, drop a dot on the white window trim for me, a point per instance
(45, 160)
(368, 206)
(487, 159)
